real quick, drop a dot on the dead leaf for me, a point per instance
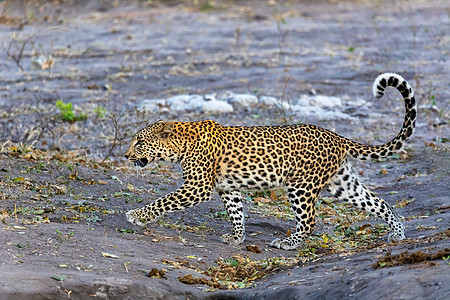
(48, 63)
(155, 273)
(189, 279)
(73, 176)
(42, 62)
(262, 200)
(109, 255)
(255, 233)
(93, 87)
(288, 233)
(253, 248)
(273, 196)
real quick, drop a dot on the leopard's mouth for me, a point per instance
(141, 162)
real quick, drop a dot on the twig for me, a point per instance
(289, 103)
(116, 136)
(18, 58)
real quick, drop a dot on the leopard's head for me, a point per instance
(152, 143)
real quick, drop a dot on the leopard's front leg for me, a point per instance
(186, 196)
(234, 207)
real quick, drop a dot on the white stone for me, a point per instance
(321, 113)
(319, 100)
(195, 102)
(267, 100)
(241, 99)
(216, 106)
(355, 102)
(210, 97)
(324, 108)
(184, 102)
(272, 101)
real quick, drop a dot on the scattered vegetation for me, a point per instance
(406, 258)
(235, 272)
(346, 227)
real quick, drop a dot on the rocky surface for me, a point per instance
(64, 185)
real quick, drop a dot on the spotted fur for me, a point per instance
(303, 159)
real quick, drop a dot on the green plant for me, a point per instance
(232, 262)
(63, 237)
(447, 259)
(431, 95)
(100, 111)
(67, 113)
(206, 6)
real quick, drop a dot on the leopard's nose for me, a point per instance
(127, 156)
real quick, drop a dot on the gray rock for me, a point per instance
(241, 99)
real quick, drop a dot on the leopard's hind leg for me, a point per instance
(302, 196)
(345, 185)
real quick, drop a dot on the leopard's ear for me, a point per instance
(165, 131)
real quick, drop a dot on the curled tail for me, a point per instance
(364, 152)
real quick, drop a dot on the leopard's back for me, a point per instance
(265, 157)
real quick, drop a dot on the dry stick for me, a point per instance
(116, 130)
(284, 89)
(19, 56)
(282, 98)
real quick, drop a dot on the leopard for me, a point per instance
(302, 159)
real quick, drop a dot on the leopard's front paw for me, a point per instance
(133, 218)
(232, 239)
(285, 244)
(139, 217)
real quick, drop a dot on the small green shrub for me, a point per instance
(100, 111)
(67, 114)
